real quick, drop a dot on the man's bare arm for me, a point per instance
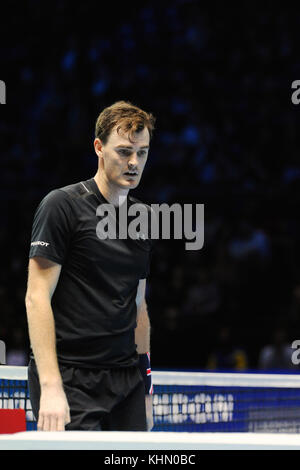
(43, 276)
(142, 331)
(142, 340)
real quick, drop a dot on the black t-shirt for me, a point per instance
(94, 301)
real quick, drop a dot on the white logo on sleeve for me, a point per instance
(39, 243)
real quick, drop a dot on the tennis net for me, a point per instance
(198, 401)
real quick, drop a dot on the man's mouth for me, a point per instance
(131, 173)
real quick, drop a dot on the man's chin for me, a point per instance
(129, 184)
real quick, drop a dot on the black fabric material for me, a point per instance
(105, 399)
(94, 302)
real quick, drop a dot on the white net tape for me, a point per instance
(97, 440)
(194, 378)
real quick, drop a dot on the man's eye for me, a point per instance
(125, 153)
(142, 154)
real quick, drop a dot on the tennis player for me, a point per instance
(87, 317)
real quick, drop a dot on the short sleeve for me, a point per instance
(52, 227)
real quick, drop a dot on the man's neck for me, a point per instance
(113, 194)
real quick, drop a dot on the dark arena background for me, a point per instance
(218, 77)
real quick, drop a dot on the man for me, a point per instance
(87, 316)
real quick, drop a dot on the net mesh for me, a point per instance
(220, 409)
(197, 402)
(15, 394)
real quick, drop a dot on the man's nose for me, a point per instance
(133, 161)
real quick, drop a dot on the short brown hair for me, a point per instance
(129, 117)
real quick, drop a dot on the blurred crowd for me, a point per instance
(219, 83)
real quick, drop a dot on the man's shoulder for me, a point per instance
(66, 193)
(75, 190)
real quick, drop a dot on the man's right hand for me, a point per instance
(54, 411)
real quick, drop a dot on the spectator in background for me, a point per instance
(278, 354)
(227, 356)
(203, 296)
(249, 241)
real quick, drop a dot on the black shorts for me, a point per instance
(104, 399)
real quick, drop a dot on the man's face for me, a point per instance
(121, 160)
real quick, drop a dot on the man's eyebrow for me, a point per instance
(130, 147)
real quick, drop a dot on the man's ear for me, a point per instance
(98, 147)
